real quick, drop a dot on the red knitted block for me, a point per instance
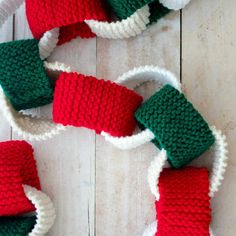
(68, 15)
(17, 167)
(184, 205)
(84, 101)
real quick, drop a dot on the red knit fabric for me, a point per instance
(69, 15)
(184, 205)
(84, 101)
(17, 167)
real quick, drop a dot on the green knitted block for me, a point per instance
(177, 126)
(23, 76)
(16, 226)
(125, 8)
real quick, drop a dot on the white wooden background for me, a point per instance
(99, 190)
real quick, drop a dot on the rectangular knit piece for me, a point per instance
(23, 76)
(85, 101)
(177, 126)
(17, 168)
(125, 8)
(184, 205)
(16, 226)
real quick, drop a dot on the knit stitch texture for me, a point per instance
(184, 204)
(17, 167)
(84, 101)
(125, 8)
(23, 76)
(16, 226)
(69, 16)
(176, 124)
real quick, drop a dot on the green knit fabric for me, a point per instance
(177, 126)
(125, 8)
(16, 226)
(23, 76)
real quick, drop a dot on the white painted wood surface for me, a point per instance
(99, 190)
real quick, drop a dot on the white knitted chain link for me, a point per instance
(220, 161)
(8, 8)
(174, 4)
(132, 79)
(45, 211)
(127, 28)
(27, 126)
(48, 43)
(152, 229)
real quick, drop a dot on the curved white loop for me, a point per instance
(48, 43)
(154, 172)
(216, 175)
(152, 229)
(32, 128)
(219, 162)
(45, 211)
(8, 8)
(132, 79)
(127, 28)
(58, 67)
(174, 4)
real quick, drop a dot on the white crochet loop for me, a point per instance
(220, 153)
(8, 8)
(27, 126)
(152, 229)
(57, 67)
(132, 80)
(48, 43)
(45, 211)
(154, 172)
(126, 28)
(216, 175)
(174, 4)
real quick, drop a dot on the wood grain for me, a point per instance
(100, 190)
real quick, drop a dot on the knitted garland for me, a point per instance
(176, 124)
(186, 186)
(84, 101)
(92, 18)
(22, 193)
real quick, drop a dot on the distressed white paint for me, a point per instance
(99, 190)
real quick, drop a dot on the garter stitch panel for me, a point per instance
(176, 124)
(84, 101)
(16, 226)
(184, 204)
(125, 8)
(69, 16)
(23, 76)
(17, 167)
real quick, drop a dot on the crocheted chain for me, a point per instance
(84, 101)
(22, 193)
(219, 152)
(165, 225)
(176, 124)
(132, 80)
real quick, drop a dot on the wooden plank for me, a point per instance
(66, 163)
(124, 204)
(6, 34)
(209, 81)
